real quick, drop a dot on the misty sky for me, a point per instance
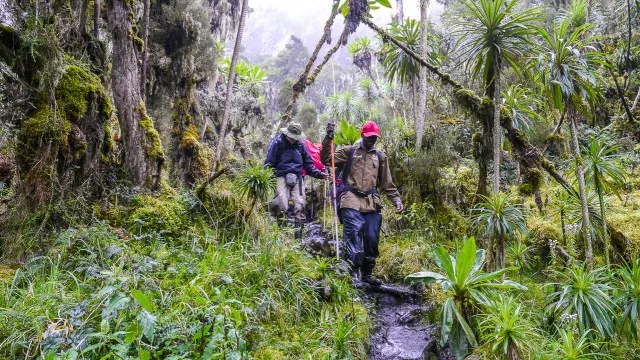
(300, 7)
(272, 22)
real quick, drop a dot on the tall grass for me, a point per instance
(154, 279)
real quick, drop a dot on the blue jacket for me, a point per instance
(284, 158)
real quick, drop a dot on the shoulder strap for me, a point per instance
(279, 146)
(347, 168)
(379, 168)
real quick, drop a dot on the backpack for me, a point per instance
(344, 186)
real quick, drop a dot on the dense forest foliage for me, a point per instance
(133, 217)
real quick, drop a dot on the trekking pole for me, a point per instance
(313, 198)
(335, 200)
(324, 208)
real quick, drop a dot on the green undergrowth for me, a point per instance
(163, 277)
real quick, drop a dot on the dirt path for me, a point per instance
(401, 332)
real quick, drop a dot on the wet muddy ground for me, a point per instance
(402, 331)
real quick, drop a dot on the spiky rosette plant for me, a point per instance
(256, 183)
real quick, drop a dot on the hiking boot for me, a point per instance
(371, 281)
(355, 274)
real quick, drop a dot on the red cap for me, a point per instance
(370, 129)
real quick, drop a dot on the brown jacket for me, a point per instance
(363, 176)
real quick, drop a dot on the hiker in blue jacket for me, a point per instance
(287, 155)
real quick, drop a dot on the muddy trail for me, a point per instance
(401, 331)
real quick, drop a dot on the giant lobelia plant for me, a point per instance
(256, 183)
(629, 296)
(587, 294)
(467, 289)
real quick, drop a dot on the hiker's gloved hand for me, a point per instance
(399, 206)
(325, 176)
(330, 128)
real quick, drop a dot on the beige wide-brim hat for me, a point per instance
(294, 131)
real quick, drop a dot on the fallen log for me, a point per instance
(391, 289)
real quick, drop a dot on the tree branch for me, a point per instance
(529, 156)
(213, 177)
(302, 84)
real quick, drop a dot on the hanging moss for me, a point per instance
(44, 127)
(525, 189)
(467, 97)
(531, 181)
(546, 164)
(153, 145)
(75, 89)
(77, 143)
(139, 43)
(181, 112)
(476, 142)
(190, 139)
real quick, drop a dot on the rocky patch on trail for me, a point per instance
(316, 241)
(401, 332)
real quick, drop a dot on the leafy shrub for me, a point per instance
(165, 214)
(467, 289)
(629, 296)
(505, 330)
(588, 294)
(256, 182)
(347, 134)
(541, 232)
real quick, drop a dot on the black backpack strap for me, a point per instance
(347, 168)
(379, 169)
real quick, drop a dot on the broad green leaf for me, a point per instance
(447, 320)
(148, 324)
(143, 300)
(465, 260)
(478, 262)
(465, 326)
(202, 332)
(428, 277)
(144, 354)
(133, 332)
(508, 284)
(479, 297)
(486, 277)
(443, 260)
(385, 3)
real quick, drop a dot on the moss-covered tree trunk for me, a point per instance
(145, 51)
(575, 147)
(489, 255)
(605, 232)
(63, 144)
(497, 134)
(143, 155)
(230, 81)
(96, 18)
(422, 101)
(188, 161)
(500, 253)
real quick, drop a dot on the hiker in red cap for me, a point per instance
(364, 169)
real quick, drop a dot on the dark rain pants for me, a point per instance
(361, 233)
